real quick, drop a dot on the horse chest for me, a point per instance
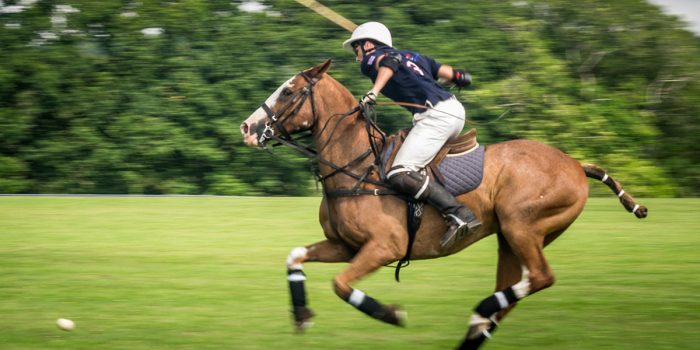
(357, 220)
(348, 231)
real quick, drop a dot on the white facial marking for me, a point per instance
(250, 138)
(275, 95)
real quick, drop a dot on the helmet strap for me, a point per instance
(362, 47)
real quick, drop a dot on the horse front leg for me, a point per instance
(373, 255)
(324, 251)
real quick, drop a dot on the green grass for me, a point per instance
(208, 273)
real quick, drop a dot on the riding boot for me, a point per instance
(460, 220)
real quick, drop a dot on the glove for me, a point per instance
(461, 78)
(368, 99)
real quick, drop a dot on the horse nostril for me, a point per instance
(244, 128)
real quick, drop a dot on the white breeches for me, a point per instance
(431, 130)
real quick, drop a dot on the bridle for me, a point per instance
(275, 120)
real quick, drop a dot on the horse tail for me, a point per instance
(598, 173)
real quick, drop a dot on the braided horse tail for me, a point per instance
(598, 173)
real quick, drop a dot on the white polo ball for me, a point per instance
(65, 324)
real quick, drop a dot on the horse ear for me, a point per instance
(317, 72)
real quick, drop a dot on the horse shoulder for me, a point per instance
(357, 220)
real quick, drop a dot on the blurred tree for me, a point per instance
(146, 97)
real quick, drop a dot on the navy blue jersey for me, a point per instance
(415, 81)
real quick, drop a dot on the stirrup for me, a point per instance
(453, 234)
(457, 230)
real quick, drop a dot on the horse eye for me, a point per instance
(286, 92)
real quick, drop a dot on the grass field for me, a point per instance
(208, 273)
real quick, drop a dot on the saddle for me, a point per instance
(463, 144)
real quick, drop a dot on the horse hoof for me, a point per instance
(396, 316)
(302, 318)
(302, 326)
(641, 213)
(402, 316)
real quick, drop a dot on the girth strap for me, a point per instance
(350, 192)
(414, 213)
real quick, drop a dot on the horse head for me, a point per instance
(290, 109)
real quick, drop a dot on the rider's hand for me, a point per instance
(368, 99)
(461, 78)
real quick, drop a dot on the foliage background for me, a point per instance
(91, 104)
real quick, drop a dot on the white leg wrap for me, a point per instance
(502, 301)
(522, 288)
(621, 193)
(636, 206)
(356, 298)
(479, 325)
(604, 178)
(294, 257)
(296, 277)
(477, 319)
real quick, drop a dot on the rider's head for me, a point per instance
(366, 37)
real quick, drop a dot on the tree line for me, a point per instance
(146, 97)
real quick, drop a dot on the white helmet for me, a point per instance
(370, 30)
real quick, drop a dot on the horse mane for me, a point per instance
(336, 86)
(343, 103)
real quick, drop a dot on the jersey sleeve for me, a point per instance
(433, 66)
(367, 67)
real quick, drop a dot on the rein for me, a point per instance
(276, 120)
(415, 105)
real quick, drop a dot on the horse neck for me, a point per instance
(343, 139)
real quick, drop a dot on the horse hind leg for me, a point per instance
(509, 273)
(525, 249)
(324, 251)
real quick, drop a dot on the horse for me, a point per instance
(530, 194)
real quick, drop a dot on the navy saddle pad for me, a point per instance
(463, 172)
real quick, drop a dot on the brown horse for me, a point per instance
(531, 193)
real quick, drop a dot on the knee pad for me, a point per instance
(408, 182)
